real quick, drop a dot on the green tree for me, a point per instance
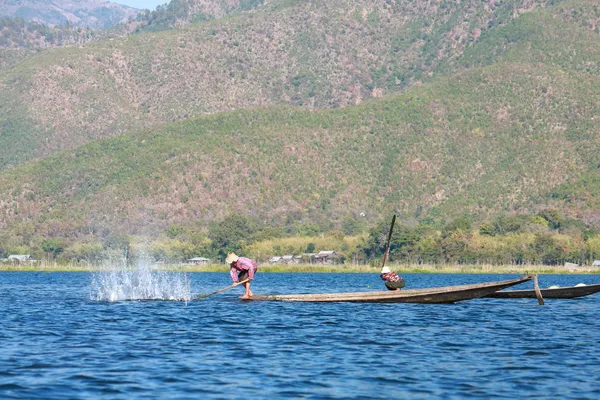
(430, 250)
(454, 246)
(52, 246)
(269, 232)
(117, 241)
(307, 229)
(537, 220)
(174, 231)
(486, 228)
(405, 244)
(547, 250)
(231, 234)
(593, 248)
(554, 217)
(463, 224)
(352, 226)
(84, 252)
(377, 240)
(503, 224)
(338, 235)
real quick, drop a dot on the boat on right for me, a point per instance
(567, 292)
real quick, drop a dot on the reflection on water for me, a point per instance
(118, 282)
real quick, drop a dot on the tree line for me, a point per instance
(545, 238)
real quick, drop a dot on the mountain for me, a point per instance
(331, 118)
(312, 54)
(97, 14)
(490, 139)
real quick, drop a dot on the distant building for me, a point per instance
(290, 259)
(285, 260)
(21, 258)
(199, 261)
(596, 263)
(571, 266)
(326, 257)
(308, 258)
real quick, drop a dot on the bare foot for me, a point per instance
(245, 297)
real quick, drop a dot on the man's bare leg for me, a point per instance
(248, 293)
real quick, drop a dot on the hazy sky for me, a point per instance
(141, 4)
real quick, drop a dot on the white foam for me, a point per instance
(119, 282)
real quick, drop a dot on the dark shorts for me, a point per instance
(395, 285)
(242, 276)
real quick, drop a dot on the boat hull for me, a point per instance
(448, 294)
(559, 293)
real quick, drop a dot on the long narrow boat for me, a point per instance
(448, 294)
(570, 292)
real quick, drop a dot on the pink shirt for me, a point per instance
(243, 264)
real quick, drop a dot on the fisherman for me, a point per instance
(392, 280)
(242, 268)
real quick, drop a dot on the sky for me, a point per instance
(141, 4)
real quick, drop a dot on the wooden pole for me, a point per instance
(387, 246)
(538, 292)
(220, 290)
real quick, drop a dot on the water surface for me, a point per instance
(58, 342)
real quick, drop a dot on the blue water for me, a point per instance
(57, 343)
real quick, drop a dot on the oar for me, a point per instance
(387, 246)
(221, 290)
(538, 292)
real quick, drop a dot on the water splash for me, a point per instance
(140, 282)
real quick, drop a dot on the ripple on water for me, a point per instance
(56, 342)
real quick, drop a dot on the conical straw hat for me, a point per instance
(231, 257)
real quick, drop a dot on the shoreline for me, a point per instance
(347, 269)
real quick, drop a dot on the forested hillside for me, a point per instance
(320, 113)
(16, 33)
(23, 37)
(490, 139)
(311, 54)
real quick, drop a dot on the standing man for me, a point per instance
(242, 268)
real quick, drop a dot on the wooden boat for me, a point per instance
(570, 292)
(448, 294)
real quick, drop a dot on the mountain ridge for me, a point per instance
(98, 14)
(510, 124)
(65, 97)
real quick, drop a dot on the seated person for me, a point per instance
(392, 280)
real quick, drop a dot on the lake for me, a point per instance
(60, 339)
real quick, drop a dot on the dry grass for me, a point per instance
(342, 268)
(492, 269)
